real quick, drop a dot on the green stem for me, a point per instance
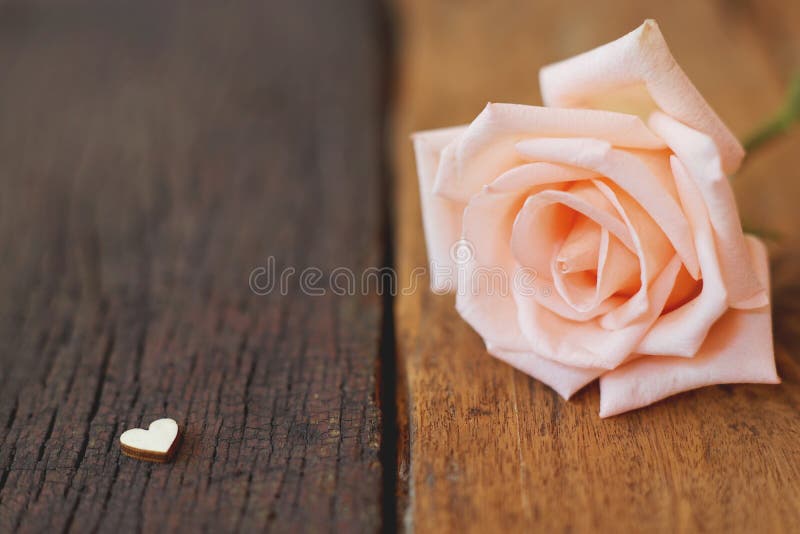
(782, 121)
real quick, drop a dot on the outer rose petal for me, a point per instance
(441, 217)
(640, 57)
(682, 331)
(738, 349)
(486, 150)
(565, 380)
(700, 157)
(493, 315)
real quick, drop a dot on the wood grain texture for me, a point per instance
(491, 449)
(151, 155)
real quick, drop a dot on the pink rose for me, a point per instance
(626, 223)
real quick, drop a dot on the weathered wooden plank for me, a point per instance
(151, 155)
(491, 448)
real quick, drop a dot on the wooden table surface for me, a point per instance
(153, 154)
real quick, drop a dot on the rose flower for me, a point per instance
(614, 200)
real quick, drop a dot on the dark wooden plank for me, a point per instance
(151, 155)
(492, 449)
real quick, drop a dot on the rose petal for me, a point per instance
(616, 270)
(529, 175)
(632, 175)
(540, 227)
(565, 380)
(738, 349)
(588, 344)
(702, 161)
(544, 222)
(441, 217)
(652, 251)
(640, 57)
(580, 251)
(484, 298)
(574, 268)
(490, 309)
(490, 214)
(486, 150)
(682, 331)
(536, 227)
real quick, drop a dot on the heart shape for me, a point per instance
(156, 444)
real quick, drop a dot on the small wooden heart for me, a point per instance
(156, 444)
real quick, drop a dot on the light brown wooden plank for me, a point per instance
(490, 447)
